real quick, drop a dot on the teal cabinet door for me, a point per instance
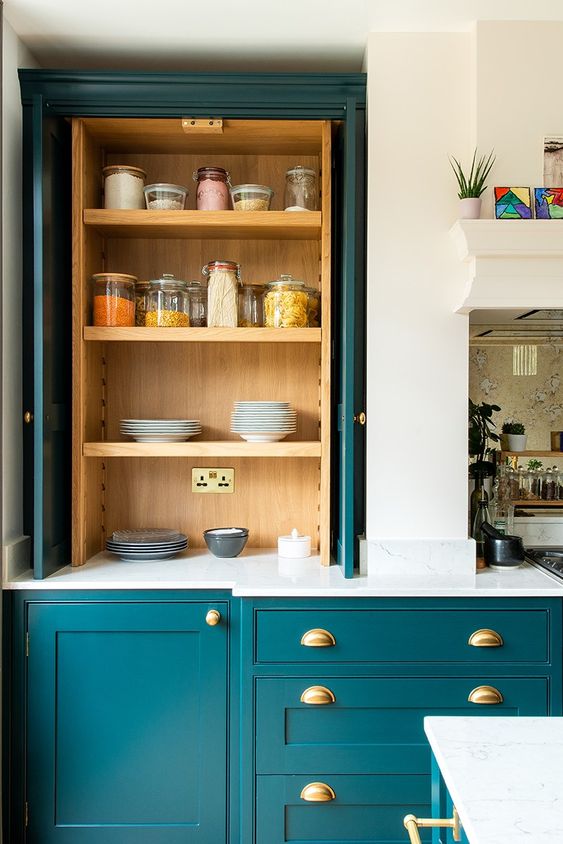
(126, 724)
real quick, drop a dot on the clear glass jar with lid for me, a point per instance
(141, 301)
(197, 298)
(285, 303)
(301, 190)
(213, 189)
(548, 489)
(251, 306)
(114, 299)
(223, 278)
(167, 305)
(313, 307)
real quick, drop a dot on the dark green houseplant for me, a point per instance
(481, 430)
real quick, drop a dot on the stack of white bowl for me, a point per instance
(263, 421)
(160, 430)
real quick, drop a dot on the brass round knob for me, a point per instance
(317, 792)
(28, 417)
(317, 696)
(213, 617)
(318, 638)
(360, 418)
(485, 695)
(486, 638)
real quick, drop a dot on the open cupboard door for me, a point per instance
(47, 337)
(348, 276)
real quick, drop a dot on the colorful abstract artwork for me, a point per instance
(549, 203)
(513, 204)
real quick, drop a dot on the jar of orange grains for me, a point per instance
(114, 299)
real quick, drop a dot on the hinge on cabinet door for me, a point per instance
(198, 125)
(27, 644)
(26, 814)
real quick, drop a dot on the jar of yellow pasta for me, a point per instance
(285, 303)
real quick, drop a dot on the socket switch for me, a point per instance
(213, 480)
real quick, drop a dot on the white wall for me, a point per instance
(419, 86)
(14, 55)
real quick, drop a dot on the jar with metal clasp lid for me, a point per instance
(213, 189)
(301, 190)
(223, 278)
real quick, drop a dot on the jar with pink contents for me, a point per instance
(212, 192)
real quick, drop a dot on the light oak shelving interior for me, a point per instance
(199, 372)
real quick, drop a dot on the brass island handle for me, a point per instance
(317, 792)
(485, 695)
(318, 638)
(412, 823)
(28, 417)
(213, 617)
(486, 638)
(317, 696)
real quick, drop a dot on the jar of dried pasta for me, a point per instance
(141, 302)
(313, 307)
(167, 304)
(114, 299)
(285, 303)
(222, 293)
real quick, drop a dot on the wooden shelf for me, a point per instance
(531, 453)
(202, 335)
(234, 448)
(535, 502)
(208, 225)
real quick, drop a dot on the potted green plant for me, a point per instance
(472, 185)
(516, 433)
(481, 430)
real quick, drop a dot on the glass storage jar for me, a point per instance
(141, 300)
(222, 293)
(313, 307)
(301, 191)
(285, 303)
(212, 192)
(123, 186)
(114, 299)
(548, 489)
(197, 299)
(251, 306)
(167, 305)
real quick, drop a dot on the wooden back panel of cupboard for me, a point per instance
(114, 380)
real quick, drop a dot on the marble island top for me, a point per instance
(504, 775)
(262, 573)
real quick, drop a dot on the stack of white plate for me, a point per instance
(160, 430)
(137, 546)
(263, 421)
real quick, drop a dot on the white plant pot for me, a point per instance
(470, 208)
(517, 442)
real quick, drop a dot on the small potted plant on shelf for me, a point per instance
(516, 435)
(471, 186)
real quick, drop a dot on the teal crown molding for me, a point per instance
(229, 95)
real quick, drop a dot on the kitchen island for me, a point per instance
(504, 776)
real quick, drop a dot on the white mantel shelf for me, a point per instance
(510, 263)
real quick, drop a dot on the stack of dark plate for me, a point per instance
(136, 546)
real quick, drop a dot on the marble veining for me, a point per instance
(435, 558)
(504, 774)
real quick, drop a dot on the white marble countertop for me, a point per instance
(261, 573)
(505, 776)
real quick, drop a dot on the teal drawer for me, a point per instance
(402, 636)
(375, 725)
(366, 809)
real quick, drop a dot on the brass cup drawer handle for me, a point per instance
(485, 695)
(486, 638)
(317, 696)
(317, 792)
(318, 638)
(412, 823)
(213, 617)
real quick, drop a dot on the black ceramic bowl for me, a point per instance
(226, 544)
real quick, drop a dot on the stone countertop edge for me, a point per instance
(261, 573)
(503, 775)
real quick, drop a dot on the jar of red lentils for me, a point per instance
(114, 299)
(212, 192)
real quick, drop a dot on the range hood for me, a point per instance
(496, 327)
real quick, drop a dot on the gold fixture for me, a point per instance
(318, 638)
(486, 638)
(360, 418)
(317, 792)
(213, 617)
(317, 696)
(412, 823)
(485, 695)
(198, 125)
(28, 417)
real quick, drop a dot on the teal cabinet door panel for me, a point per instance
(375, 725)
(127, 724)
(379, 635)
(366, 809)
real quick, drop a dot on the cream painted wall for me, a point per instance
(14, 55)
(419, 86)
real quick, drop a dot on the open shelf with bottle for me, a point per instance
(198, 373)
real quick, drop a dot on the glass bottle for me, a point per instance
(301, 191)
(212, 192)
(481, 516)
(478, 491)
(167, 305)
(502, 510)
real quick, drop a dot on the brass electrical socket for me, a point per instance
(213, 480)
